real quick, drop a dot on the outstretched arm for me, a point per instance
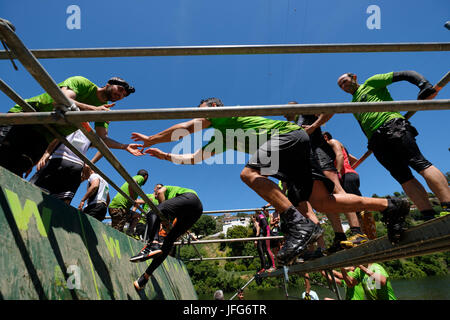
(426, 88)
(190, 158)
(174, 133)
(132, 148)
(321, 120)
(83, 106)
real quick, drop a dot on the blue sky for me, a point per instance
(163, 82)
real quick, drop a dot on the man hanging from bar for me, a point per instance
(392, 137)
(282, 150)
(22, 146)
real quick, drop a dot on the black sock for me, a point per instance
(428, 213)
(445, 206)
(355, 230)
(340, 236)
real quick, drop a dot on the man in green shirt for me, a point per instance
(22, 146)
(346, 279)
(142, 218)
(177, 203)
(392, 138)
(280, 149)
(375, 282)
(119, 208)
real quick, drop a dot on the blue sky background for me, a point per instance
(163, 82)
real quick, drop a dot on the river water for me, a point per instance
(427, 288)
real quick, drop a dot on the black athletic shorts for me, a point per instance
(394, 145)
(96, 210)
(60, 177)
(289, 158)
(325, 156)
(21, 147)
(350, 183)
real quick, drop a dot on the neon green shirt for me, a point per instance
(146, 207)
(356, 292)
(86, 92)
(119, 201)
(373, 290)
(374, 90)
(173, 191)
(151, 196)
(241, 133)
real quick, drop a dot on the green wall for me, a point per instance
(49, 250)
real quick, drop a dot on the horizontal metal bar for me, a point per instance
(236, 210)
(219, 112)
(221, 258)
(429, 237)
(229, 240)
(235, 50)
(43, 78)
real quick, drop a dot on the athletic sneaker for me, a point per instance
(140, 283)
(354, 241)
(261, 271)
(394, 218)
(149, 251)
(301, 232)
(335, 247)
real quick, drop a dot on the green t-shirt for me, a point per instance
(374, 90)
(86, 92)
(373, 290)
(245, 133)
(173, 191)
(151, 196)
(356, 292)
(119, 201)
(146, 207)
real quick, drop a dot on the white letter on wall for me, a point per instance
(74, 20)
(373, 21)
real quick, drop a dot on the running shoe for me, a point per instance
(271, 269)
(140, 283)
(149, 251)
(300, 235)
(261, 271)
(354, 241)
(394, 218)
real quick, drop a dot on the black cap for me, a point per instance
(123, 83)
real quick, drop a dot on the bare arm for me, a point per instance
(321, 120)
(93, 187)
(190, 158)
(132, 148)
(379, 278)
(161, 194)
(48, 152)
(352, 159)
(82, 106)
(337, 148)
(174, 133)
(349, 281)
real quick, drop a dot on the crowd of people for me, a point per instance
(315, 171)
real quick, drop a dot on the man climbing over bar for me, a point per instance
(22, 146)
(178, 203)
(280, 149)
(392, 138)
